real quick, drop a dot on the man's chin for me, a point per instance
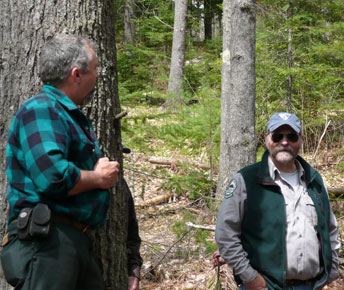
(284, 157)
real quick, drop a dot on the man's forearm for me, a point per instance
(88, 181)
(103, 176)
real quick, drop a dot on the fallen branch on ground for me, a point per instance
(336, 191)
(173, 161)
(202, 227)
(154, 201)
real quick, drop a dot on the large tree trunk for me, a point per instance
(290, 58)
(238, 142)
(129, 24)
(208, 19)
(178, 48)
(24, 27)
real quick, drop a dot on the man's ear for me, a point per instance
(267, 140)
(75, 73)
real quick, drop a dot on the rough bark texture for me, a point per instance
(290, 60)
(129, 24)
(208, 19)
(238, 142)
(24, 27)
(178, 47)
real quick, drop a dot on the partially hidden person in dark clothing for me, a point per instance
(58, 178)
(133, 244)
(275, 226)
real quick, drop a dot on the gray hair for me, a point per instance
(60, 54)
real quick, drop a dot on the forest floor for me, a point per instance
(175, 257)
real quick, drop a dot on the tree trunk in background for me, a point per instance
(208, 18)
(178, 48)
(24, 27)
(238, 142)
(290, 58)
(129, 24)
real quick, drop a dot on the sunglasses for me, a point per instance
(277, 137)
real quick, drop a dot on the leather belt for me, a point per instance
(86, 229)
(295, 282)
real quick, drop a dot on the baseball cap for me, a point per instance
(282, 118)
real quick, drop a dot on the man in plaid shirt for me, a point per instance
(54, 159)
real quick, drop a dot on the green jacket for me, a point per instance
(264, 224)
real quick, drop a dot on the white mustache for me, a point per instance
(282, 148)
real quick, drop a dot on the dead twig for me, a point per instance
(327, 123)
(167, 252)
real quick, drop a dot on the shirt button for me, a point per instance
(301, 255)
(300, 236)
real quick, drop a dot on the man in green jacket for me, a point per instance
(275, 227)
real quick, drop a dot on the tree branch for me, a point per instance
(202, 227)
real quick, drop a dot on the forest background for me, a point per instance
(175, 141)
(174, 137)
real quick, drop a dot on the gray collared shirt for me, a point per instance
(302, 243)
(303, 246)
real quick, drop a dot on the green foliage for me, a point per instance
(260, 153)
(192, 128)
(318, 57)
(203, 67)
(196, 184)
(340, 166)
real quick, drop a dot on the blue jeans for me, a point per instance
(298, 287)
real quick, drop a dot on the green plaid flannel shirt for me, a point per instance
(49, 141)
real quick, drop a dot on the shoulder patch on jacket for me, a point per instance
(233, 184)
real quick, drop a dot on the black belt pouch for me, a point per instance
(23, 223)
(40, 221)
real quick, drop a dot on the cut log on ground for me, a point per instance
(336, 191)
(156, 200)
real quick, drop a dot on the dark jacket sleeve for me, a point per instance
(133, 239)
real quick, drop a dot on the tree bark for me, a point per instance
(24, 27)
(129, 24)
(290, 58)
(208, 19)
(178, 48)
(238, 141)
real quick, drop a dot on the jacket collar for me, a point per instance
(59, 97)
(264, 176)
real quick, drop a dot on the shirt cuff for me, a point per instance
(249, 275)
(135, 272)
(334, 275)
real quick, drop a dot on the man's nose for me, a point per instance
(284, 141)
